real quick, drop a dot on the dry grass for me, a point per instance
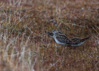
(24, 46)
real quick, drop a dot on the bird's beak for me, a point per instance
(49, 33)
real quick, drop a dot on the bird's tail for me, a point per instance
(85, 38)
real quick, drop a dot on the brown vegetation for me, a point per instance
(24, 46)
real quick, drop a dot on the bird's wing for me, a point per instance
(78, 40)
(63, 38)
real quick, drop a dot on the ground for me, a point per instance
(24, 45)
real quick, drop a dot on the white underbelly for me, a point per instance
(58, 42)
(78, 44)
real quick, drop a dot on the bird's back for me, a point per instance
(61, 39)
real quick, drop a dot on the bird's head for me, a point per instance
(49, 33)
(55, 31)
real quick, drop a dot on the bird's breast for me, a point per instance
(58, 42)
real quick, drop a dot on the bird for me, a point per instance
(76, 41)
(59, 37)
